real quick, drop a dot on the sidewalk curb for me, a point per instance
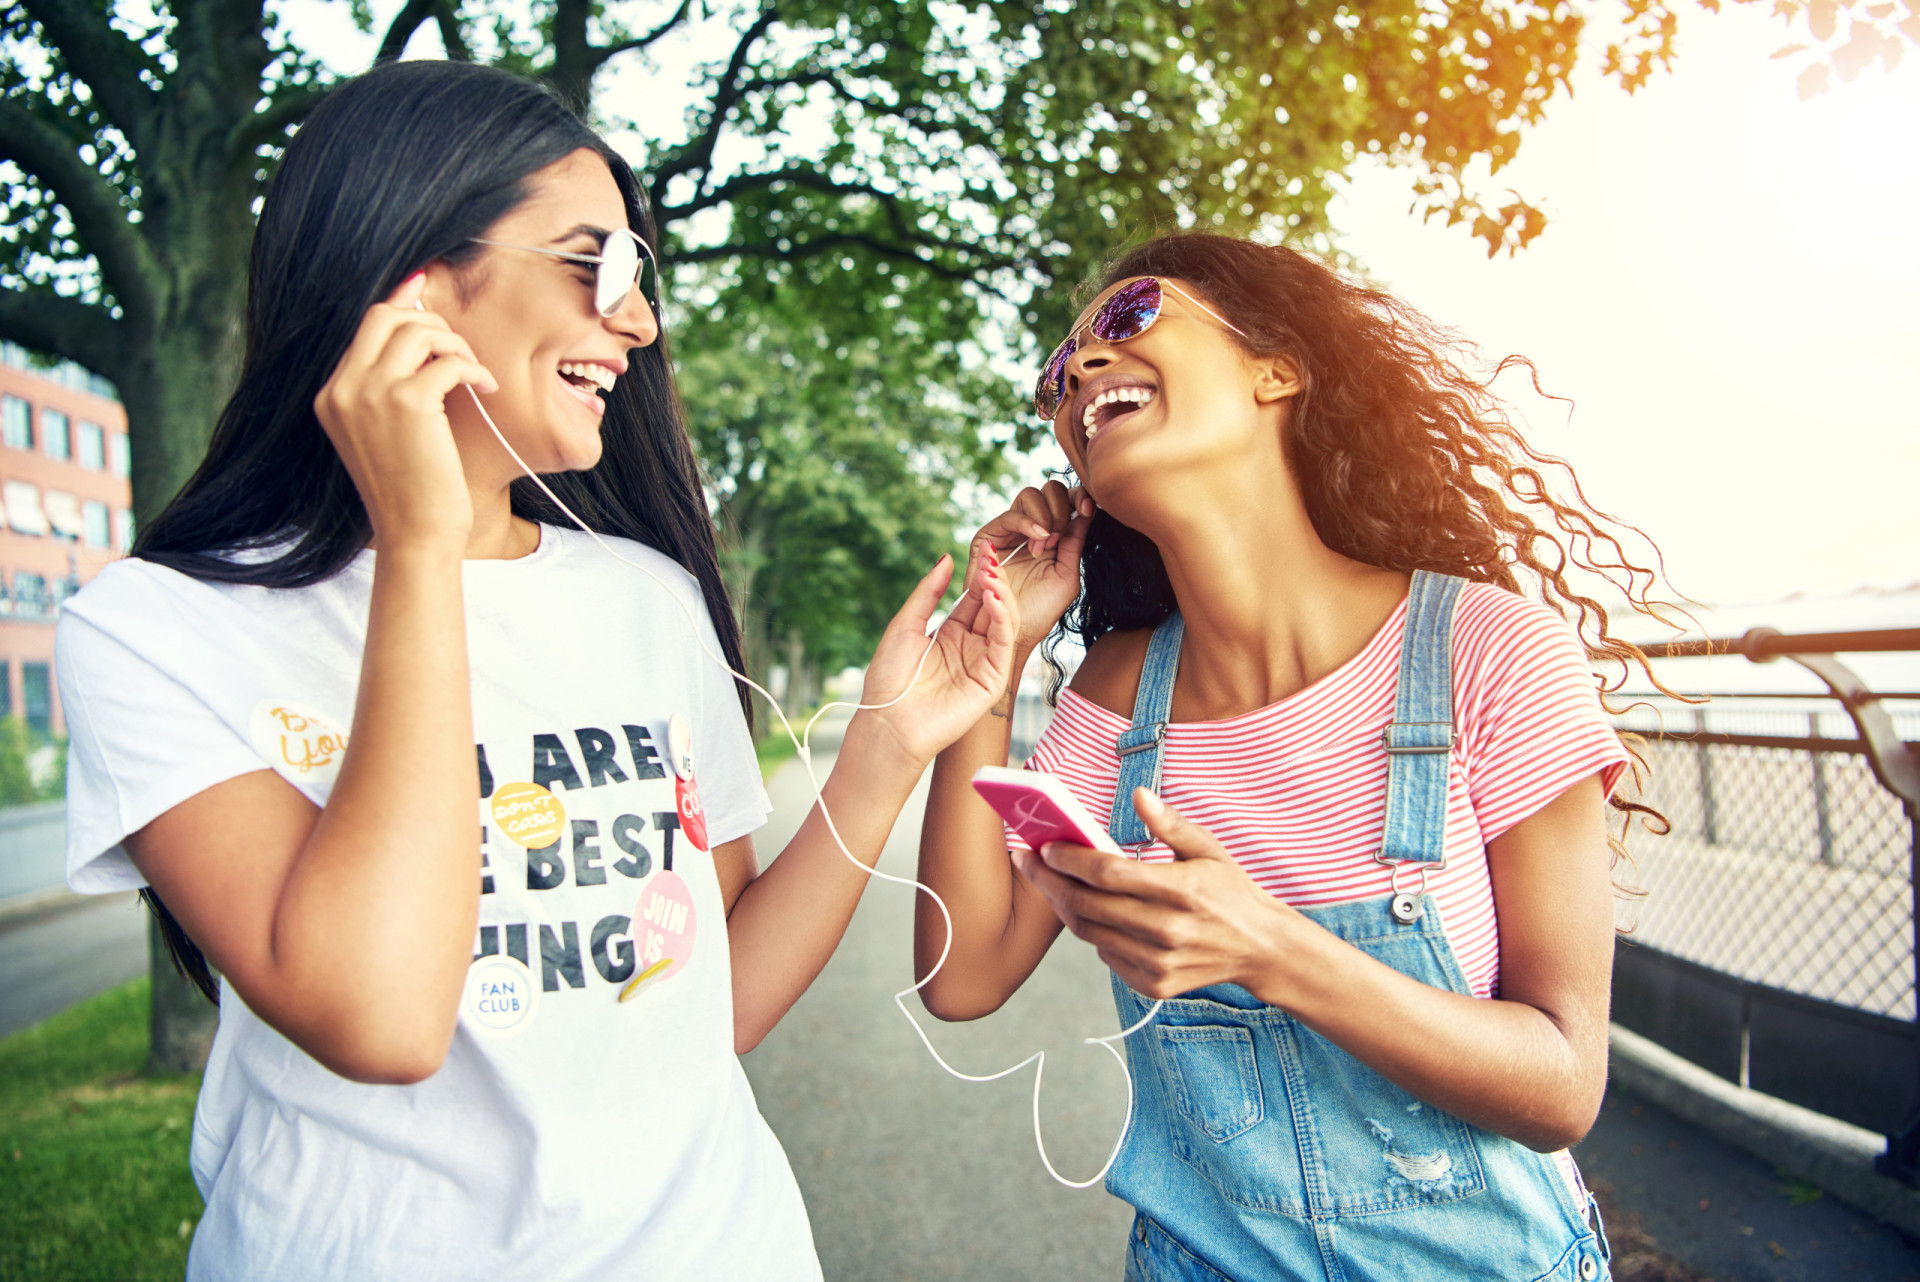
(1833, 1155)
(46, 903)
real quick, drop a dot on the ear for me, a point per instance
(1277, 379)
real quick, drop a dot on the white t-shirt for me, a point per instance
(567, 1135)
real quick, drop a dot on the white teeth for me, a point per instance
(1135, 395)
(599, 375)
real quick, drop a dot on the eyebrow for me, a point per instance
(599, 234)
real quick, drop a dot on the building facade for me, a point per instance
(65, 511)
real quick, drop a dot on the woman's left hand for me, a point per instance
(970, 666)
(1165, 929)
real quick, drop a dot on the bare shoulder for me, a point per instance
(1109, 676)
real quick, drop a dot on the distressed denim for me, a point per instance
(1259, 1149)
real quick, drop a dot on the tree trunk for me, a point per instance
(183, 1020)
(799, 676)
(173, 391)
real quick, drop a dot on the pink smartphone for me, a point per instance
(1040, 808)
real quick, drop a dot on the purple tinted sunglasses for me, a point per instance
(1129, 313)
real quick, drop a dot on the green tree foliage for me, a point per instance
(31, 768)
(831, 450)
(877, 209)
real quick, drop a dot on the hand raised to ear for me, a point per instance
(935, 691)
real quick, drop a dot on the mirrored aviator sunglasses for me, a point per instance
(1128, 313)
(623, 262)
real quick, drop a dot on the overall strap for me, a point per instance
(1419, 739)
(1140, 745)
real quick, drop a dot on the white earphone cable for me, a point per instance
(802, 745)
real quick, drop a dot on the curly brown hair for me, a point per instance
(1405, 457)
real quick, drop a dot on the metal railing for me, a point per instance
(1775, 944)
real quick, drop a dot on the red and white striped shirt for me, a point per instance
(1297, 791)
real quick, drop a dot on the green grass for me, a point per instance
(774, 748)
(93, 1156)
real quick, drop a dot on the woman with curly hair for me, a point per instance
(1367, 931)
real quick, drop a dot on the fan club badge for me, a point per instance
(665, 921)
(501, 995)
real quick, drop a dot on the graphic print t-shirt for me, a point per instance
(568, 1134)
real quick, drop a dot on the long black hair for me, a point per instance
(395, 169)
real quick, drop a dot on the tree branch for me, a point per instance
(913, 114)
(605, 52)
(287, 108)
(409, 20)
(62, 326)
(94, 205)
(107, 61)
(699, 153)
(838, 240)
(892, 202)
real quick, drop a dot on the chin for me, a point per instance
(577, 455)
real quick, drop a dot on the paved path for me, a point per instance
(33, 848)
(909, 1174)
(52, 959)
(1725, 1212)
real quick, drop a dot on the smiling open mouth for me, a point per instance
(587, 377)
(1112, 405)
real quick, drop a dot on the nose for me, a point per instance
(635, 324)
(1092, 357)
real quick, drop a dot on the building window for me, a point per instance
(93, 446)
(24, 513)
(63, 514)
(16, 423)
(36, 693)
(119, 458)
(6, 687)
(123, 530)
(31, 600)
(99, 524)
(55, 435)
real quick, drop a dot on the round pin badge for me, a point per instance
(665, 924)
(680, 747)
(686, 792)
(500, 996)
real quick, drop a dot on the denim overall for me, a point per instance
(1258, 1149)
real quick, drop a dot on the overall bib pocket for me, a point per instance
(1277, 1118)
(1214, 1080)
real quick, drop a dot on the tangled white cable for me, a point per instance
(803, 746)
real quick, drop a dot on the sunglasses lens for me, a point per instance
(649, 281)
(1052, 387)
(1128, 313)
(619, 265)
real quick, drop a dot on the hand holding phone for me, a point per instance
(1041, 808)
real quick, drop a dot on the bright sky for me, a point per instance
(1727, 290)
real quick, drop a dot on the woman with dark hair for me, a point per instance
(458, 1043)
(1366, 936)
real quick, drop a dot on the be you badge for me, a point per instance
(665, 921)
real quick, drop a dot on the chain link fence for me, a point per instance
(1788, 864)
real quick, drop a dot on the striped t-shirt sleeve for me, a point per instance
(1080, 752)
(1528, 708)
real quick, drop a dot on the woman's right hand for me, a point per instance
(1044, 578)
(384, 409)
